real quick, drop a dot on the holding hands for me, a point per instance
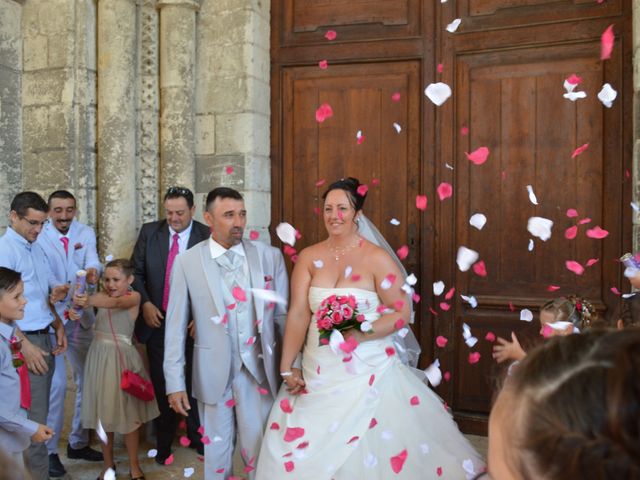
(294, 382)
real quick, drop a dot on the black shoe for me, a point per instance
(198, 446)
(56, 469)
(84, 453)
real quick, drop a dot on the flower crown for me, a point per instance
(585, 309)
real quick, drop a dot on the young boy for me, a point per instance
(16, 430)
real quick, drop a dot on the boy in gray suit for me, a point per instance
(16, 430)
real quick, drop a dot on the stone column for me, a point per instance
(116, 126)
(177, 86)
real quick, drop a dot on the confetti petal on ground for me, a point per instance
(597, 233)
(571, 232)
(478, 220)
(188, 472)
(606, 43)
(438, 93)
(453, 26)
(532, 196)
(438, 288)
(579, 150)
(397, 461)
(286, 233)
(574, 267)
(110, 474)
(152, 453)
(445, 190)
(540, 227)
(465, 258)
(607, 95)
(323, 112)
(526, 315)
(478, 156)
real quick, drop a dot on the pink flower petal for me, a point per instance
(321, 182)
(398, 324)
(230, 403)
(441, 341)
(285, 406)
(397, 461)
(447, 376)
(575, 267)
(552, 288)
(421, 202)
(200, 429)
(415, 400)
(373, 423)
(439, 471)
(597, 233)
(184, 441)
(330, 35)
(293, 433)
(440, 68)
(450, 293)
(274, 426)
(606, 43)
(371, 379)
(444, 306)
(464, 131)
(169, 460)
(474, 357)
(396, 97)
(402, 252)
(480, 269)
(445, 190)
(574, 79)
(323, 64)
(375, 182)
(615, 291)
(490, 337)
(362, 190)
(323, 112)
(579, 150)
(571, 232)
(592, 261)
(262, 391)
(390, 351)
(584, 220)
(229, 170)
(289, 466)
(478, 156)
(254, 235)
(205, 440)
(572, 213)
(353, 439)
(239, 294)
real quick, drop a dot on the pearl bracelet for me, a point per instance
(286, 374)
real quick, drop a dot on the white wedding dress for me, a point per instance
(370, 417)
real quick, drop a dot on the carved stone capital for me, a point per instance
(191, 4)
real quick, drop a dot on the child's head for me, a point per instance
(572, 309)
(570, 410)
(118, 277)
(12, 300)
(629, 313)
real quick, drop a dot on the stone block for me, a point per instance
(55, 17)
(35, 52)
(10, 127)
(205, 134)
(46, 87)
(242, 133)
(10, 35)
(258, 206)
(60, 53)
(240, 25)
(261, 7)
(46, 127)
(211, 172)
(257, 173)
(9, 86)
(46, 170)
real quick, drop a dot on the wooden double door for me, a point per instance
(506, 65)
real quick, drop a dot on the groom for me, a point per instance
(238, 333)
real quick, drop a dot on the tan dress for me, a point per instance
(102, 398)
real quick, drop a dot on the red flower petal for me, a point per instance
(574, 79)
(396, 97)
(441, 341)
(285, 406)
(579, 150)
(450, 293)
(572, 212)
(421, 202)
(373, 423)
(169, 460)
(323, 64)
(478, 156)
(571, 232)
(274, 426)
(415, 400)
(575, 267)
(254, 235)
(480, 269)
(597, 233)
(552, 288)
(397, 461)
(490, 337)
(371, 379)
(445, 190)
(591, 261)
(289, 466)
(474, 357)
(390, 351)
(362, 190)
(606, 43)
(184, 441)
(230, 403)
(293, 433)
(323, 112)
(330, 35)
(239, 294)
(403, 252)
(229, 170)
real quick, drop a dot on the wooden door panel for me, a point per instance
(360, 97)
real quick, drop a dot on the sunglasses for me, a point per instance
(179, 191)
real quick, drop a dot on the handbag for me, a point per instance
(131, 382)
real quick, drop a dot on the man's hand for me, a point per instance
(192, 328)
(152, 315)
(43, 434)
(61, 338)
(58, 293)
(508, 350)
(179, 402)
(80, 300)
(295, 382)
(34, 357)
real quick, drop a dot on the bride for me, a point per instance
(351, 414)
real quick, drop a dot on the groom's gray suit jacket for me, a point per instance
(196, 292)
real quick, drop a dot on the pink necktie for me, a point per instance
(167, 276)
(65, 242)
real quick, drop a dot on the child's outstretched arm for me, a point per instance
(508, 350)
(102, 300)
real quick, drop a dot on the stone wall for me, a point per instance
(10, 104)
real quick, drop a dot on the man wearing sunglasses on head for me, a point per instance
(156, 248)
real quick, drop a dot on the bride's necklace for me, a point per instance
(338, 252)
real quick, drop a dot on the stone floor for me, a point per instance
(183, 457)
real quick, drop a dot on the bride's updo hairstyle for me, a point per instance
(350, 186)
(576, 409)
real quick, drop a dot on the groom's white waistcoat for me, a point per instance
(197, 291)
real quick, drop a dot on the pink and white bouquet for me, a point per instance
(337, 312)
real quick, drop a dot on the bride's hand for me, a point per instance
(355, 333)
(295, 383)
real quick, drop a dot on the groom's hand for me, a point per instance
(179, 402)
(295, 382)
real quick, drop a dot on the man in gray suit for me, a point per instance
(227, 284)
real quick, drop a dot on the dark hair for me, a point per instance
(64, 194)
(26, 200)
(577, 400)
(629, 312)
(122, 264)
(177, 192)
(222, 192)
(572, 309)
(9, 279)
(350, 186)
